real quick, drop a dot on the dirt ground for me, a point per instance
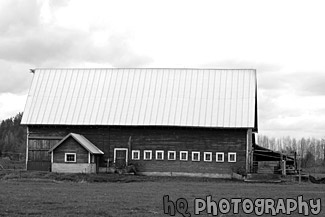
(44, 197)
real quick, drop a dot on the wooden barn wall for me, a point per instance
(153, 138)
(70, 146)
(183, 139)
(47, 136)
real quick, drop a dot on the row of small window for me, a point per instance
(183, 155)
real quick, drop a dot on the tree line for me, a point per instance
(13, 138)
(311, 151)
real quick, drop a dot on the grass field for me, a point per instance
(131, 195)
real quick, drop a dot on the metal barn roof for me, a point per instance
(143, 97)
(82, 141)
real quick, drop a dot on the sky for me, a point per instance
(283, 40)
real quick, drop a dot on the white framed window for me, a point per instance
(159, 155)
(171, 155)
(231, 157)
(195, 156)
(70, 157)
(220, 157)
(183, 155)
(207, 156)
(135, 155)
(147, 155)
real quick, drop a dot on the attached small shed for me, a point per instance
(75, 154)
(165, 121)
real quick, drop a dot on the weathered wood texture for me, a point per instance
(162, 138)
(70, 146)
(38, 149)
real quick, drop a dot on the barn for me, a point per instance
(163, 121)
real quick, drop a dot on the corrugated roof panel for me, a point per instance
(234, 99)
(204, 98)
(190, 98)
(197, 91)
(90, 98)
(61, 92)
(208, 99)
(157, 113)
(73, 107)
(168, 97)
(57, 96)
(102, 108)
(239, 96)
(177, 98)
(163, 97)
(173, 113)
(95, 97)
(220, 96)
(42, 95)
(146, 98)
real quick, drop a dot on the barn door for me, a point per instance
(120, 157)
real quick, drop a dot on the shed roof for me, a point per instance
(223, 98)
(82, 141)
(264, 154)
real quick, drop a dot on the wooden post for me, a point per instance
(299, 170)
(249, 151)
(130, 150)
(27, 131)
(295, 160)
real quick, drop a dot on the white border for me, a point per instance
(232, 153)
(135, 151)
(223, 157)
(180, 155)
(121, 149)
(169, 155)
(162, 154)
(144, 154)
(65, 157)
(199, 155)
(205, 154)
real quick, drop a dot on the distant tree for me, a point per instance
(308, 160)
(12, 136)
(294, 145)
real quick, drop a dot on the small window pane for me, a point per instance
(135, 155)
(183, 155)
(220, 157)
(147, 155)
(159, 155)
(70, 157)
(195, 156)
(231, 157)
(171, 155)
(207, 156)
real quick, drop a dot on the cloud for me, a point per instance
(14, 78)
(18, 16)
(64, 46)
(28, 42)
(309, 83)
(261, 67)
(11, 104)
